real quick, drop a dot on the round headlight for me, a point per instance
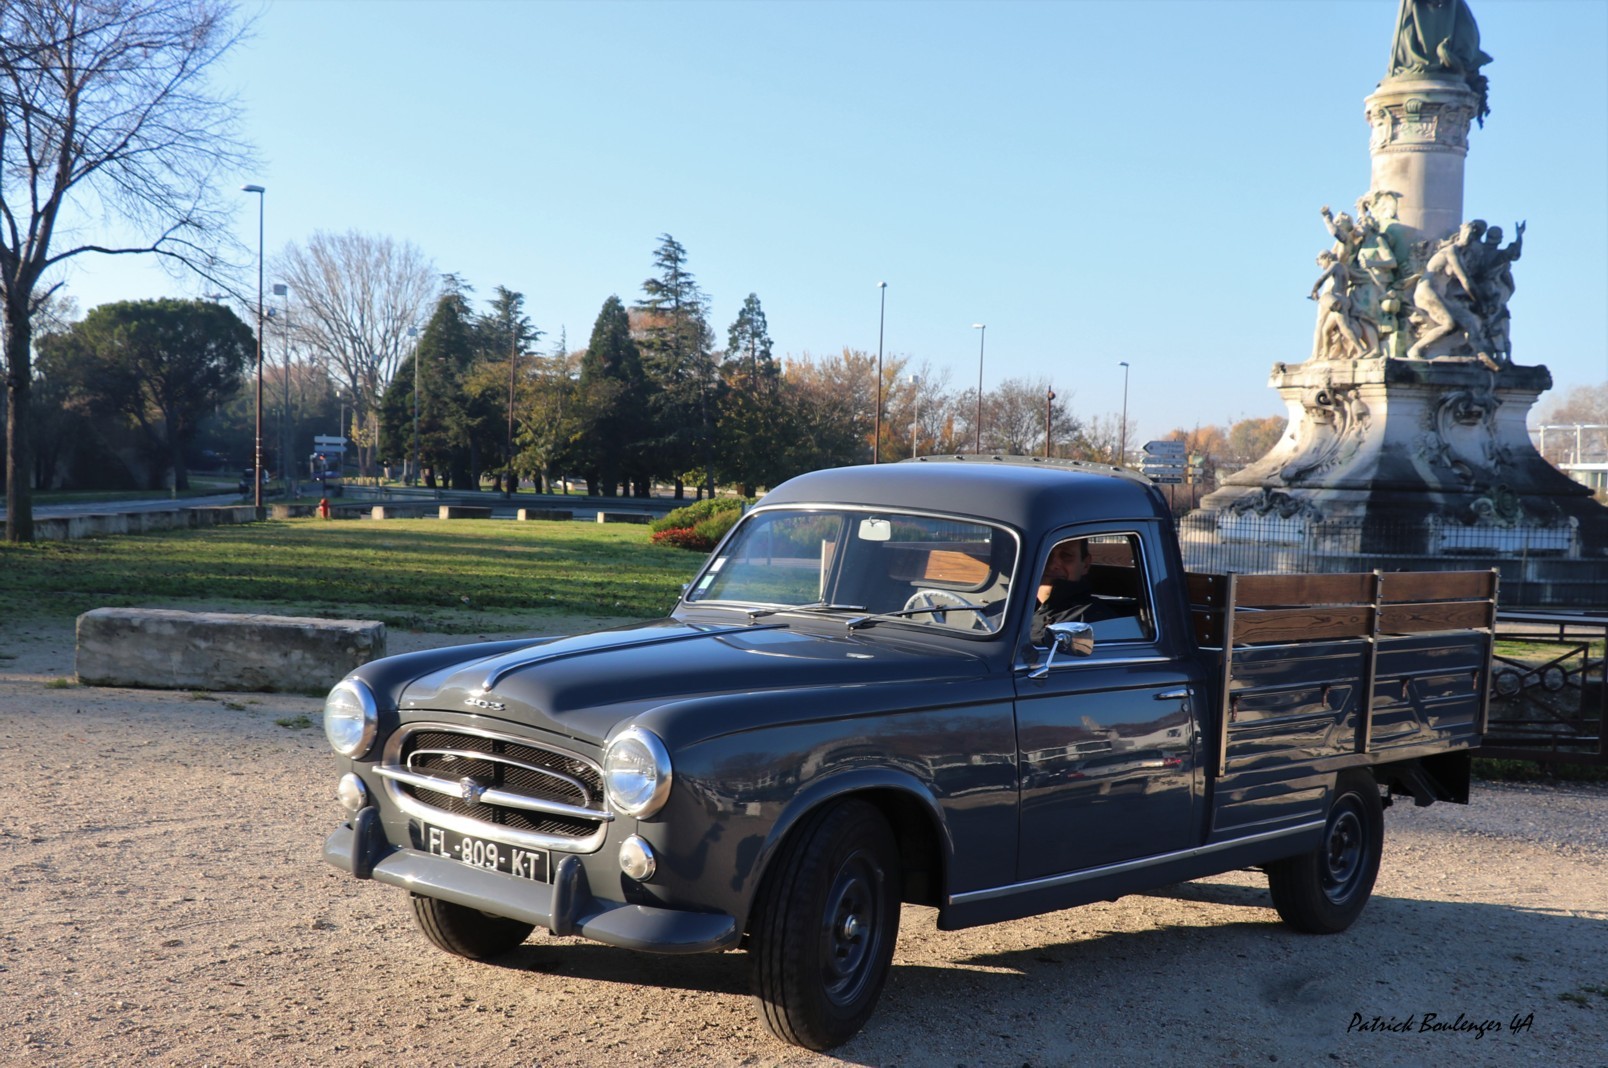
(636, 772)
(350, 717)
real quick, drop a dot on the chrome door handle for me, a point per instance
(1173, 695)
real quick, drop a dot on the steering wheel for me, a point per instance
(935, 601)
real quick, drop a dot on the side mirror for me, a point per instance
(1068, 639)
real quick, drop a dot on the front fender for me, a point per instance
(883, 787)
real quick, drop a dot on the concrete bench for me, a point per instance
(465, 511)
(624, 517)
(162, 649)
(401, 511)
(552, 514)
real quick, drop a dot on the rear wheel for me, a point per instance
(1324, 891)
(465, 931)
(825, 925)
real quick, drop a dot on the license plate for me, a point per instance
(483, 853)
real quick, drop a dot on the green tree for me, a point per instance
(549, 406)
(676, 345)
(612, 400)
(444, 354)
(106, 111)
(751, 446)
(506, 334)
(159, 365)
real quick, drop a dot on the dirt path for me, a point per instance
(165, 903)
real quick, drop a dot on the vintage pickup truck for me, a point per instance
(847, 711)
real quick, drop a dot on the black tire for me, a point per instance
(465, 931)
(1324, 891)
(824, 926)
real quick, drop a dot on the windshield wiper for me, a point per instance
(813, 606)
(936, 610)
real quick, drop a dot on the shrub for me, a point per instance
(696, 513)
(681, 538)
(714, 528)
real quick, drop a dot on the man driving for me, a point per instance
(1064, 594)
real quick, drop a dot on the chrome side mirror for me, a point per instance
(1068, 639)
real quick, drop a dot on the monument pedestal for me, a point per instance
(1428, 456)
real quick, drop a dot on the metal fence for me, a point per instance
(1540, 565)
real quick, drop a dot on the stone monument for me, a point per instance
(1408, 417)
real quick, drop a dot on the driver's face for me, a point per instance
(1067, 562)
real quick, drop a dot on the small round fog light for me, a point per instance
(637, 859)
(352, 793)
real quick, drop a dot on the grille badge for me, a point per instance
(470, 790)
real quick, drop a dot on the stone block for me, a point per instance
(551, 514)
(465, 511)
(162, 649)
(624, 517)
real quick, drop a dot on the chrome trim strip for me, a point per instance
(1051, 881)
(489, 831)
(1022, 666)
(490, 795)
(496, 758)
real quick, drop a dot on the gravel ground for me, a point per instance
(165, 904)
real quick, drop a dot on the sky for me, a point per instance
(1097, 182)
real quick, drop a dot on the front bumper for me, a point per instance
(565, 907)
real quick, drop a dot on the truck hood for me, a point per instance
(583, 686)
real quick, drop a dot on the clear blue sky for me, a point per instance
(1096, 181)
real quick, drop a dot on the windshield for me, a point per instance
(928, 571)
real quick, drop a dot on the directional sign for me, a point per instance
(1162, 466)
(1164, 448)
(1165, 480)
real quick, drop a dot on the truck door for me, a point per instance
(1107, 742)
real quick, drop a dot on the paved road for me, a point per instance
(156, 504)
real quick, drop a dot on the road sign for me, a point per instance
(1164, 448)
(1165, 466)
(1165, 480)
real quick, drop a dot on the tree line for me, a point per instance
(476, 397)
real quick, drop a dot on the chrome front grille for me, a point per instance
(496, 786)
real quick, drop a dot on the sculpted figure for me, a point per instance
(1338, 327)
(1445, 292)
(1440, 36)
(1494, 286)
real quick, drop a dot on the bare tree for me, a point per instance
(357, 296)
(105, 108)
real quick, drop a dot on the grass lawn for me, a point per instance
(412, 574)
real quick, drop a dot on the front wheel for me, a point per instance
(1324, 891)
(824, 926)
(465, 931)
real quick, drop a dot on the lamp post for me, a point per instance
(287, 428)
(876, 433)
(1122, 443)
(413, 476)
(982, 335)
(513, 362)
(915, 420)
(1049, 395)
(256, 468)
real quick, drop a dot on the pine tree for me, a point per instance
(677, 356)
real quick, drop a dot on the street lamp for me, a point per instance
(982, 329)
(915, 420)
(513, 363)
(876, 433)
(256, 469)
(1049, 396)
(287, 457)
(1122, 443)
(413, 477)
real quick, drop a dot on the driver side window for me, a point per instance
(1097, 580)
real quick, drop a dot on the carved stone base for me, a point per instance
(1434, 448)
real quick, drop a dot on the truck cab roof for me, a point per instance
(1024, 492)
